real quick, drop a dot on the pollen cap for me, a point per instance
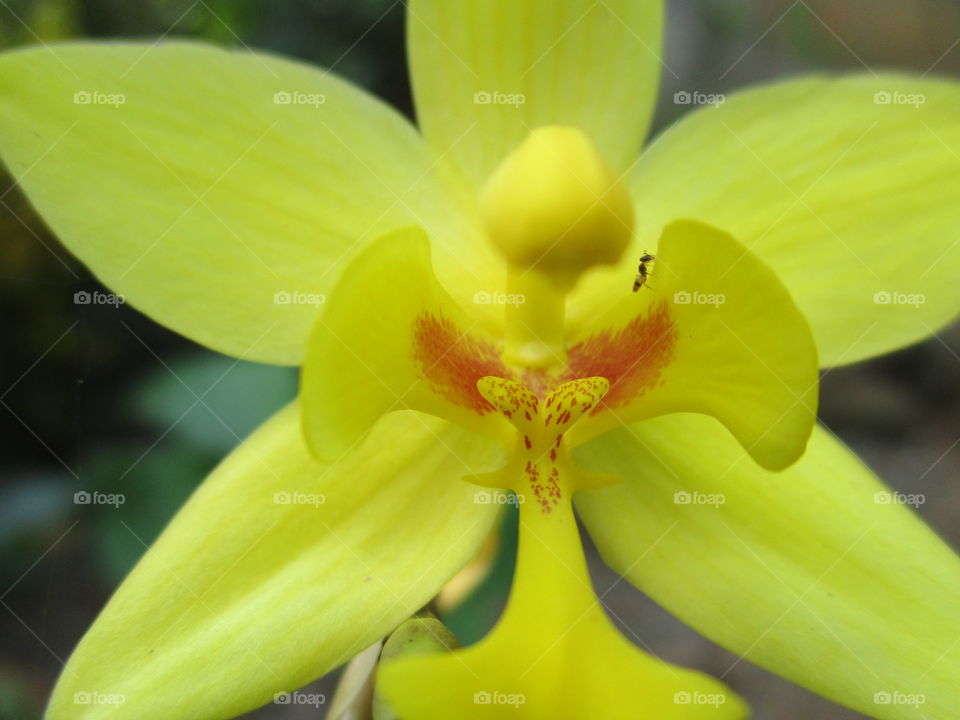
(556, 206)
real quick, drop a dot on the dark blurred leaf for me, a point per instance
(212, 400)
(152, 491)
(32, 504)
(14, 701)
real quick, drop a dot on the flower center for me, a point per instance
(632, 357)
(554, 209)
(539, 468)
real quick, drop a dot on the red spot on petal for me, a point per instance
(527, 443)
(452, 361)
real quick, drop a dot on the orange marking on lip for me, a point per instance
(452, 361)
(631, 358)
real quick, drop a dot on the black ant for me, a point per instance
(642, 271)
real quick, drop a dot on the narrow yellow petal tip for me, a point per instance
(554, 204)
(554, 652)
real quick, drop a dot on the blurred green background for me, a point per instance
(96, 396)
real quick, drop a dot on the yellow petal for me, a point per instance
(846, 186)
(712, 331)
(554, 654)
(485, 73)
(391, 339)
(816, 573)
(279, 569)
(220, 192)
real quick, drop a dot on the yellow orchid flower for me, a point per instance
(461, 304)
